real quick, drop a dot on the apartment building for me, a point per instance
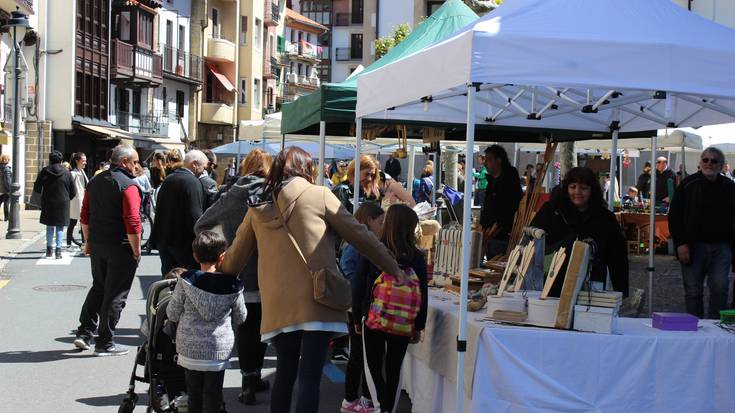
(215, 31)
(183, 72)
(302, 55)
(252, 50)
(273, 47)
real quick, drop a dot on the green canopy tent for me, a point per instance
(334, 103)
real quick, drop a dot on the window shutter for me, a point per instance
(281, 44)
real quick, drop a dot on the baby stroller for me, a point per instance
(157, 356)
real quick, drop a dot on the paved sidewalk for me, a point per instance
(30, 229)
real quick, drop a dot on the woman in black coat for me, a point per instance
(577, 211)
(56, 186)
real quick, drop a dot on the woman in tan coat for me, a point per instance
(298, 326)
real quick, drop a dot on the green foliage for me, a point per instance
(483, 6)
(384, 44)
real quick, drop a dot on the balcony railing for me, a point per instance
(343, 54)
(270, 68)
(182, 64)
(136, 62)
(154, 123)
(347, 19)
(302, 49)
(302, 80)
(272, 13)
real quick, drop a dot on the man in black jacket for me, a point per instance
(502, 197)
(111, 226)
(181, 201)
(701, 220)
(393, 168)
(663, 176)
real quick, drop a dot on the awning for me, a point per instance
(111, 132)
(222, 78)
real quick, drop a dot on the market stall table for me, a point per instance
(640, 222)
(526, 369)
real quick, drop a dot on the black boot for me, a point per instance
(49, 252)
(262, 385)
(58, 253)
(249, 382)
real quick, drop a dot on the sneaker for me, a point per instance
(340, 355)
(82, 343)
(111, 350)
(367, 405)
(354, 406)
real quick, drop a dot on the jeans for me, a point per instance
(355, 371)
(204, 389)
(250, 350)
(299, 353)
(385, 352)
(480, 197)
(175, 256)
(50, 230)
(113, 271)
(711, 261)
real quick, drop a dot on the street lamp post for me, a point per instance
(18, 24)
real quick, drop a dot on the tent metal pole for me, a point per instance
(358, 144)
(683, 159)
(621, 192)
(322, 139)
(613, 161)
(283, 141)
(239, 151)
(466, 241)
(437, 174)
(411, 167)
(652, 224)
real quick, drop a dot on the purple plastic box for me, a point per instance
(675, 321)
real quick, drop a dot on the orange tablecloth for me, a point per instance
(640, 220)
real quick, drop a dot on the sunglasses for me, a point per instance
(711, 161)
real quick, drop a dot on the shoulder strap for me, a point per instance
(290, 235)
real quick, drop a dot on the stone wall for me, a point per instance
(36, 152)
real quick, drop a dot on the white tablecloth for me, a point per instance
(522, 369)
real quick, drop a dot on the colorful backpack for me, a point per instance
(395, 305)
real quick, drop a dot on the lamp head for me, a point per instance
(18, 25)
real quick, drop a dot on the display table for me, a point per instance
(640, 222)
(526, 369)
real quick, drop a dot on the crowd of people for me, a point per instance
(247, 251)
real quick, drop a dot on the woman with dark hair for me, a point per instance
(56, 187)
(228, 212)
(158, 169)
(578, 211)
(644, 182)
(78, 162)
(294, 223)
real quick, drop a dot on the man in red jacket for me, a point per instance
(112, 230)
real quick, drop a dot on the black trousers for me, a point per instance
(250, 350)
(113, 271)
(204, 389)
(385, 351)
(355, 371)
(300, 354)
(5, 200)
(70, 232)
(176, 256)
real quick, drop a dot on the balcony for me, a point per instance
(347, 19)
(303, 50)
(272, 13)
(182, 65)
(220, 50)
(155, 123)
(134, 65)
(271, 68)
(344, 54)
(217, 112)
(309, 82)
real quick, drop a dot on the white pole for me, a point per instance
(515, 154)
(322, 139)
(620, 173)
(239, 151)
(613, 163)
(466, 241)
(652, 224)
(356, 186)
(683, 159)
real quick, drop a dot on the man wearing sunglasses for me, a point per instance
(701, 221)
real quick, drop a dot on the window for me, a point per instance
(243, 30)
(432, 6)
(164, 98)
(179, 104)
(182, 37)
(357, 11)
(136, 104)
(293, 35)
(145, 29)
(258, 35)
(122, 100)
(215, 23)
(256, 94)
(169, 33)
(300, 69)
(318, 10)
(124, 26)
(269, 98)
(356, 46)
(272, 45)
(243, 91)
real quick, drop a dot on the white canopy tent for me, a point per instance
(575, 65)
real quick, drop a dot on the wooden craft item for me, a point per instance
(512, 262)
(556, 263)
(512, 316)
(528, 254)
(575, 275)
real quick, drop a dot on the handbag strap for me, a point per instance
(290, 235)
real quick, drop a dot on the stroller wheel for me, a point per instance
(127, 406)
